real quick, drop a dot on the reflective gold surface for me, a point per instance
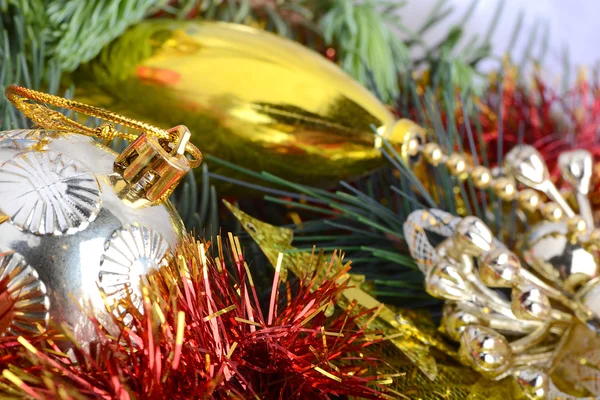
(247, 96)
(547, 249)
(485, 350)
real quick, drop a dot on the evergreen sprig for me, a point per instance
(23, 60)
(369, 50)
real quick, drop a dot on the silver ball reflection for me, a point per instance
(473, 237)
(486, 351)
(65, 232)
(533, 382)
(548, 250)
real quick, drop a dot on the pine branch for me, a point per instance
(369, 50)
(294, 19)
(78, 30)
(24, 61)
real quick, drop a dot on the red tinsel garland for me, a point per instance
(550, 121)
(203, 335)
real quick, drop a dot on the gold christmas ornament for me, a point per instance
(80, 223)
(576, 168)
(565, 248)
(554, 291)
(498, 337)
(250, 97)
(527, 166)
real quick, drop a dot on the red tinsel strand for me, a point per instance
(202, 335)
(550, 121)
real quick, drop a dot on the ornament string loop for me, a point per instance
(30, 103)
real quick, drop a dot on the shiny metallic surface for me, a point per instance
(576, 167)
(485, 350)
(589, 295)
(66, 246)
(447, 249)
(548, 250)
(472, 236)
(48, 193)
(533, 382)
(498, 336)
(526, 165)
(455, 320)
(529, 302)
(499, 268)
(445, 281)
(300, 115)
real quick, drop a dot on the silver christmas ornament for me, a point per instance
(69, 230)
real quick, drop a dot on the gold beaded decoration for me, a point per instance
(504, 187)
(457, 165)
(529, 200)
(482, 177)
(576, 225)
(552, 211)
(433, 154)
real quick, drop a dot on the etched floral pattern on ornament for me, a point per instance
(24, 303)
(131, 253)
(48, 193)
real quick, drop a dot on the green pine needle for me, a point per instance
(369, 50)
(78, 30)
(24, 61)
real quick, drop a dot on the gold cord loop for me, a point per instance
(25, 100)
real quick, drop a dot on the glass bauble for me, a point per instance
(66, 235)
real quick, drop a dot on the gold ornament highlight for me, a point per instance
(80, 223)
(552, 275)
(250, 97)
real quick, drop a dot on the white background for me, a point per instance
(572, 23)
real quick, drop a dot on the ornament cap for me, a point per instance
(151, 168)
(407, 138)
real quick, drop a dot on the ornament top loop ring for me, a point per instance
(25, 100)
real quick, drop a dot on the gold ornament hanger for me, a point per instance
(148, 169)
